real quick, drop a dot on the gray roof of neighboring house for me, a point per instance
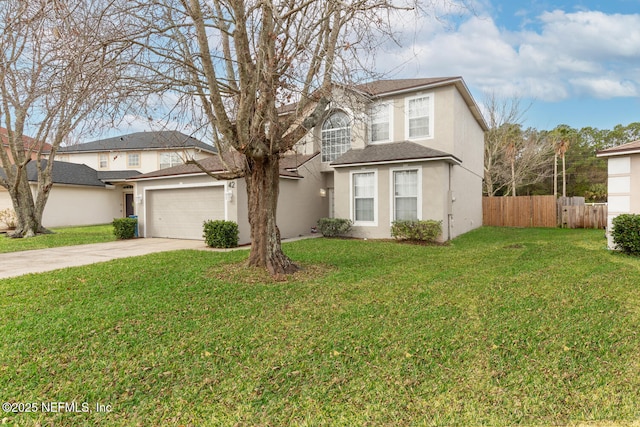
(628, 148)
(392, 153)
(289, 163)
(76, 174)
(140, 141)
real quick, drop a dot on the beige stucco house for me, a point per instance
(384, 151)
(393, 149)
(623, 182)
(402, 149)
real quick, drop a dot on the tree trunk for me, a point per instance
(262, 180)
(28, 213)
(27, 225)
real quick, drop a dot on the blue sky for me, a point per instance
(573, 62)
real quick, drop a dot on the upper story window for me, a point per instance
(419, 117)
(168, 160)
(380, 129)
(103, 161)
(336, 136)
(133, 160)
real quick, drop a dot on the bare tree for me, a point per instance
(513, 157)
(239, 62)
(59, 62)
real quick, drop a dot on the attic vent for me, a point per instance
(127, 187)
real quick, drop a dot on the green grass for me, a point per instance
(64, 236)
(501, 327)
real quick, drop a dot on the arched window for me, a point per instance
(336, 136)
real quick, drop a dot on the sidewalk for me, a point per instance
(40, 260)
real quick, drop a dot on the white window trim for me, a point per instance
(349, 115)
(100, 162)
(429, 95)
(373, 223)
(392, 193)
(389, 105)
(139, 160)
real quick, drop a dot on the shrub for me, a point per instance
(221, 234)
(425, 231)
(334, 227)
(626, 233)
(8, 217)
(124, 228)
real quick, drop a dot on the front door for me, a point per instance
(128, 205)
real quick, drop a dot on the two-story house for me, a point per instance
(89, 179)
(385, 151)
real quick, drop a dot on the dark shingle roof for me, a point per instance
(394, 152)
(289, 164)
(68, 173)
(109, 176)
(380, 87)
(140, 141)
(76, 174)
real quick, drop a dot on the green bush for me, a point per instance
(334, 227)
(425, 231)
(626, 233)
(124, 228)
(221, 234)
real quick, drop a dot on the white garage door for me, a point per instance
(180, 212)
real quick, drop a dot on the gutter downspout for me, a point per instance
(450, 200)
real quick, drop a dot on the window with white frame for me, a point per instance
(419, 120)
(364, 197)
(336, 136)
(406, 194)
(133, 160)
(168, 160)
(103, 161)
(380, 129)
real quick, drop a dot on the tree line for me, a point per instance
(561, 161)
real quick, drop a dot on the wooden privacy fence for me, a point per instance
(519, 211)
(542, 211)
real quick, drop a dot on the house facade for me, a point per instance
(623, 182)
(119, 158)
(390, 150)
(402, 150)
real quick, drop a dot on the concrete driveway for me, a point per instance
(40, 260)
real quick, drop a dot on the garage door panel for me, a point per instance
(180, 212)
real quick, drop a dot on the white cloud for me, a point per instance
(578, 54)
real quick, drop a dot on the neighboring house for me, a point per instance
(122, 157)
(30, 144)
(80, 195)
(389, 150)
(623, 182)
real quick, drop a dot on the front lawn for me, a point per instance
(63, 236)
(501, 327)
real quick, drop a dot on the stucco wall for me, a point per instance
(434, 197)
(149, 159)
(75, 205)
(623, 188)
